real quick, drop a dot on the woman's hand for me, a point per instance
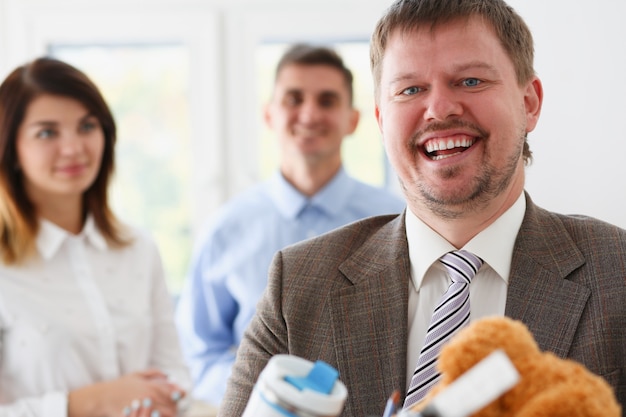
(148, 391)
(142, 408)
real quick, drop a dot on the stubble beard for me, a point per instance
(479, 192)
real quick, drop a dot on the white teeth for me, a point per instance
(443, 144)
(440, 157)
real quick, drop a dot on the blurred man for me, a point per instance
(311, 112)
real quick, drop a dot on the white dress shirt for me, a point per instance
(81, 312)
(429, 279)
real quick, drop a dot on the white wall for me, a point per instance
(579, 145)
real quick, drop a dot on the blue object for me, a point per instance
(321, 378)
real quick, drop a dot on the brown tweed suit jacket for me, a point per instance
(342, 298)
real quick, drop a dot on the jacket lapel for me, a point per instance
(539, 293)
(370, 319)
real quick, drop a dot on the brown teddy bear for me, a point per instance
(548, 386)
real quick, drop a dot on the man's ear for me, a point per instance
(267, 115)
(379, 117)
(355, 116)
(533, 99)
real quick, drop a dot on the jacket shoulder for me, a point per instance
(352, 235)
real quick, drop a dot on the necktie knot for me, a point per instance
(461, 265)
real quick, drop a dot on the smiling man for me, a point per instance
(456, 97)
(311, 113)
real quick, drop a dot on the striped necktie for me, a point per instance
(450, 315)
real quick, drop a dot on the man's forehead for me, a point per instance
(321, 77)
(315, 93)
(304, 90)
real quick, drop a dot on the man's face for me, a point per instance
(453, 117)
(310, 112)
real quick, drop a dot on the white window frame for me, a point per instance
(34, 25)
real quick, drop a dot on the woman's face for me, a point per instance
(59, 148)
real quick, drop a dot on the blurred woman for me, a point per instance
(85, 316)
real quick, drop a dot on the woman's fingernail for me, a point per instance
(147, 402)
(176, 396)
(135, 404)
(155, 413)
(126, 410)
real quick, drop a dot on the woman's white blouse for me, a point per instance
(78, 313)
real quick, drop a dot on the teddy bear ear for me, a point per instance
(481, 338)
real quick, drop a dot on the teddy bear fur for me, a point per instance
(548, 387)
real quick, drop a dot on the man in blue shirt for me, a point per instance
(311, 112)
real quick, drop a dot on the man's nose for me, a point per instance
(309, 112)
(442, 103)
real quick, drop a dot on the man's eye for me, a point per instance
(327, 103)
(471, 82)
(411, 91)
(292, 101)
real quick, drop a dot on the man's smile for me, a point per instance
(445, 147)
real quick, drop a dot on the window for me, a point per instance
(147, 90)
(162, 83)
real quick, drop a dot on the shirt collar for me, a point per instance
(51, 237)
(494, 244)
(331, 199)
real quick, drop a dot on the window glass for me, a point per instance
(363, 152)
(146, 87)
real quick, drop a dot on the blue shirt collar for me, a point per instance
(331, 199)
